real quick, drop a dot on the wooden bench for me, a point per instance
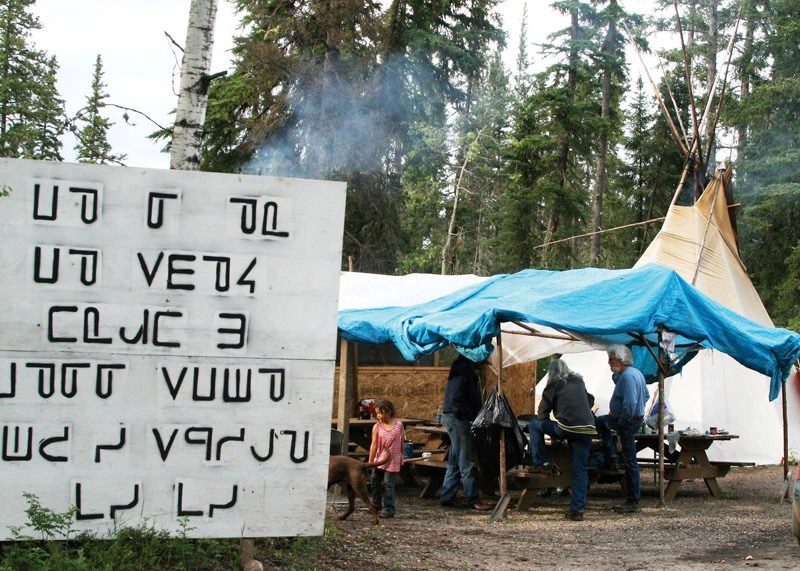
(724, 467)
(530, 482)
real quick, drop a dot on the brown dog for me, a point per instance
(349, 471)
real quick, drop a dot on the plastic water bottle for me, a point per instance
(439, 412)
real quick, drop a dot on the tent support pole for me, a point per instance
(661, 367)
(664, 365)
(500, 382)
(500, 509)
(785, 495)
(344, 404)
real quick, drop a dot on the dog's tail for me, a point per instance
(380, 462)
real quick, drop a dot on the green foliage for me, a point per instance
(295, 553)
(769, 181)
(44, 521)
(31, 112)
(93, 145)
(142, 548)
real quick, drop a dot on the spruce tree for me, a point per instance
(28, 98)
(768, 177)
(92, 128)
(49, 119)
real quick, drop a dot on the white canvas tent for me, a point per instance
(713, 390)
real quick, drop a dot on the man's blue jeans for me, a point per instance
(626, 431)
(460, 465)
(579, 445)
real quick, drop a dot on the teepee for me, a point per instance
(699, 242)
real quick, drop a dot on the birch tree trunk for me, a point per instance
(187, 134)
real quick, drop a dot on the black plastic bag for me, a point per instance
(494, 419)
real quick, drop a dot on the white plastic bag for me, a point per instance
(651, 412)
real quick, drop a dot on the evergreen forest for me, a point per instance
(457, 162)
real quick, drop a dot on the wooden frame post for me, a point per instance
(345, 401)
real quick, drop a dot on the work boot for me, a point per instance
(573, 515)
(549, 468)
(629, 507)
(480, 506)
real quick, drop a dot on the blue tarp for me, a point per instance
(597, 305)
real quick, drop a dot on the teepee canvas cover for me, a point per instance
(699, 243)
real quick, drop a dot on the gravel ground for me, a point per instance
(749, 527)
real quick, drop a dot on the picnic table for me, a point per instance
(430, 459)
(532, 482)
(690, 462)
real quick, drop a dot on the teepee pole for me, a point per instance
(688, 72)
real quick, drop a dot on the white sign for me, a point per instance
(167, 344)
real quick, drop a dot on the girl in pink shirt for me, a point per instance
(387, 435)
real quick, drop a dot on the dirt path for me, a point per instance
(746, 529)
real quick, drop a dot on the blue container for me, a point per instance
(408, 450)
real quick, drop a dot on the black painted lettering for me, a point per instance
(222, 281)
(51, 325)
(89, 203)
(108, 379)
(238, 332)
(227, 505)
(89, 263)
(37, 213)
(277, 383)
(183, 512)
(297, 459)
(157, 322)
(212, 386)
(155, 207)
(38, 276)
(232, 390)
(247, 222)
(79, 514)
(149, 274)
(173, 388)
(69, 383)
(270, 448)
(269, 223)
(91, 327)
(173, 270)
(163, 449)
(118, 445)
(47, 386)
(12, 382)
(129, 505)
(243, 278)
(207, 439)
(225, 439)
(54, 440)
(141, 335)
(14, 449)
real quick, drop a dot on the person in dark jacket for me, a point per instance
(462, 403)
(565, 396)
